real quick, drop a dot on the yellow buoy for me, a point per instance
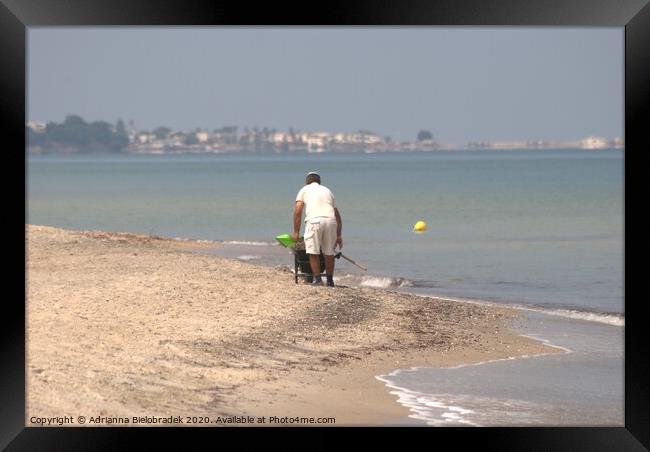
(420, 226)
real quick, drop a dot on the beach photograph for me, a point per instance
(324, 227)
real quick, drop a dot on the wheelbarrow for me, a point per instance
(302, 266)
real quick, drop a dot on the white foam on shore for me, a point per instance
(384, 282)
(448, 410)
(248, 243)
(423, 406)
(609, 319)
(378, 282)
(248, 257)
(188, 239)
(606, 318)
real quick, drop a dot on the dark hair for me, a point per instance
(312, 178)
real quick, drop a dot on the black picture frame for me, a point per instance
(634, 15)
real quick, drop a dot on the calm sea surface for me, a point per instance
(541, 230)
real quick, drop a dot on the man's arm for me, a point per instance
(297, 216)
(339, 228)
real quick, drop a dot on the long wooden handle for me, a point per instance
(350, 260)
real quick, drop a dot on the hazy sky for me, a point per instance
(461, 83)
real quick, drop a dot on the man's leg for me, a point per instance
(329, 264)
(314, 262)
(312, 247)
(329, 269)
(329, 239)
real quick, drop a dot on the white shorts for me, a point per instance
(320, 235)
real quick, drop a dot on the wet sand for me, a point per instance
(122, 325)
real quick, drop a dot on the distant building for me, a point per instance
(508, 145)
(175, 140)
(356, 138)
(37, 126)
(144, 138)
(280, 138)
(372, 139)
(593, 143)
(317, 141)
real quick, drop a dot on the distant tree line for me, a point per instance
(75, 135)
(425, 135)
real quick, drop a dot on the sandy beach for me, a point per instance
(122, 325)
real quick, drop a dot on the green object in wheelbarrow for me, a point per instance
(286, 240)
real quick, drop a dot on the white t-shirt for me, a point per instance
(318, 199)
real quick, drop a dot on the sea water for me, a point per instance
(541, 230)
(580, 385)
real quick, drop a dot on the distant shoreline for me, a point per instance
(188, 151)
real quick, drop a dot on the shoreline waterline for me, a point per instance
(453, 413)
(581, 386)
(249, 251)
